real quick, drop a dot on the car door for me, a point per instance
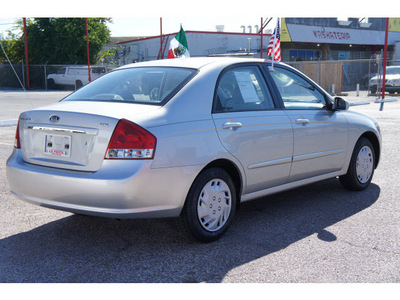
(61, 74)
(252, 128)
(320, 133)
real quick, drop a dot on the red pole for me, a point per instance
(87, 46)
(385, 61)
(385, 58)
(261, 32)
(26, 54)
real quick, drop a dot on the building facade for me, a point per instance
(201, 43)
(302, 39)
(307, 39)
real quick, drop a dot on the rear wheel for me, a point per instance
(210, 206)
(361, 168)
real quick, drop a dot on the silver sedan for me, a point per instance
(189, 138)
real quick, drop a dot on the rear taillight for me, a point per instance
(130, 141)
(17, 143)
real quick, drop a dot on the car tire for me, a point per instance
(361, 168)
(210, 206)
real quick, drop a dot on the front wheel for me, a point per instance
(210, 206)
(361, 168)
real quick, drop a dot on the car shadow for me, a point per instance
(90, 249)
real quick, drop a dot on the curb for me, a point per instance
(7, 123)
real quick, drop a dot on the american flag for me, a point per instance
(274, 45)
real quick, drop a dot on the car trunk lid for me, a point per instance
(73, 135)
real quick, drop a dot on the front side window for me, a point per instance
(242, 89)
(147, 85)
(296, 92)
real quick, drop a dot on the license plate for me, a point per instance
(58, 145)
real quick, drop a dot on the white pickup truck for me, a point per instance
(75, 76)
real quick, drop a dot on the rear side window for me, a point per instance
(242, 89)
(148, 85)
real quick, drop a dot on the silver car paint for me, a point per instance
(186, 143)
(120, 189)
(320, 146)
(260, 130)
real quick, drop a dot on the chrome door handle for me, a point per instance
(302, 121)
(232, 125)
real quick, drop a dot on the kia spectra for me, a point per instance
(190, 139)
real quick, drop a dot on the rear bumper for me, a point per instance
(120, 189)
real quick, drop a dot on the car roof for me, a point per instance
(194, 62)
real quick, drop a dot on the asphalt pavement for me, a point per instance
(319, 233)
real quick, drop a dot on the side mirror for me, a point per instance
(340, 104)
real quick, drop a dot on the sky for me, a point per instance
(142, 17)
(150, 26)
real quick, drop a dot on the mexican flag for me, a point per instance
(178, 47)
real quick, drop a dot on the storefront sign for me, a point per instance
(332, 35)
(337, 35)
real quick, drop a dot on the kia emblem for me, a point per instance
(54, 119)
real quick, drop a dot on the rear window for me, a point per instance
(148, 85)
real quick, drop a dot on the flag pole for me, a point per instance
(161, 40)
(273, 46)
(261, 33)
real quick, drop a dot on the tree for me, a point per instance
(13, 46)
(61, 40)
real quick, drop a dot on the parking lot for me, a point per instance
(317, 233)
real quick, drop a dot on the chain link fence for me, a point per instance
(347, 75)
(49, 77)
(335, 76)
